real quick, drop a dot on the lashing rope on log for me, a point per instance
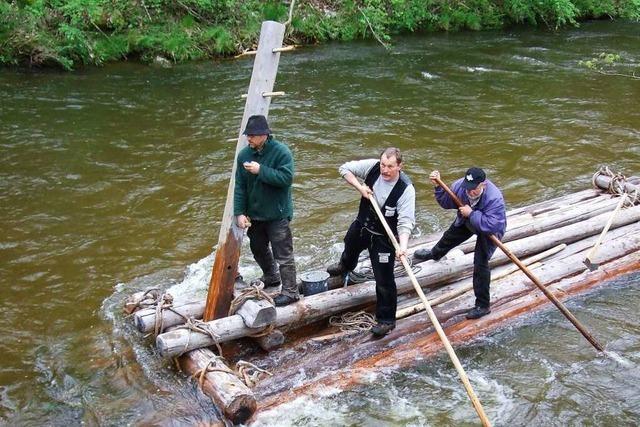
(194, 325)
(148, 299)
(616, 185)
(247, 372)
(254, 291)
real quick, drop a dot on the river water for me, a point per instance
(114, 179)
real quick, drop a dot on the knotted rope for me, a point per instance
(194, 325)
(254, 291)
(247, 372)
(148, 299)
(358, 321)
(165, 302)
(616, 185)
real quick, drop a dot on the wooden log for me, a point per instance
(234, 399)
(328, 303)
(225, 265)
(145, 319)
(582, 205)
(462, 287)
(561, 218)
(257, 313)
(345, 354)
(517, 215)
(270, 341)
(603, 182)
(449, 288)
(623, 241)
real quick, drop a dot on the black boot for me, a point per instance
(423, 254)
(382, 329)
(478, 312)
(282, 299)
(271, 284)
(336, 269)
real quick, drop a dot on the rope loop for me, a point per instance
(164, 302)
(254, 291)
(245, 371)
(616, 185)
(198, 326)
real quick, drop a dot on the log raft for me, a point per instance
(573, 221)
(523, 222)
(322, 305)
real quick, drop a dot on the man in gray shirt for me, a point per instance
(395, 195)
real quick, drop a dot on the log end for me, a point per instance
(164, 346)
(271, 341)
(139, 320)
(257, 314)
(241, 409)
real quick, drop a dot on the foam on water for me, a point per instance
(308, 412)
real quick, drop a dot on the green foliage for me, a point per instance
(609, 64)
(604, 60)
(69, 33)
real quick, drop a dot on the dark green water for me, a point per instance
(114, 179)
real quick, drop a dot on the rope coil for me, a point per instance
(358, 321)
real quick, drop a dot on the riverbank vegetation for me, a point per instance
(72, 33)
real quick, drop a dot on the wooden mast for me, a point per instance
(225, 266)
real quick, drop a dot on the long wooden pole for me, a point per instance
(225, 265)
(434, 320)
(530, 275)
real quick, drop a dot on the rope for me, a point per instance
(250, 373)
(148, 299)
(255, 291)
(359, 321)
(194, 325)
(246, 372)
(616, 185)
(165, 302)
(366, 273)
(211, 367)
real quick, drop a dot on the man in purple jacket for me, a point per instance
(483, 213)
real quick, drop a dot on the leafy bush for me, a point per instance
(69, 33)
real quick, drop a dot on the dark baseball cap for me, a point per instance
(473, 177)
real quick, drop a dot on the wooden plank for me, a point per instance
(225, 265)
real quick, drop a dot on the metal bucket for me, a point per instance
(314, 282)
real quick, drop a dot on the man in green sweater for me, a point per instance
(262, 203)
